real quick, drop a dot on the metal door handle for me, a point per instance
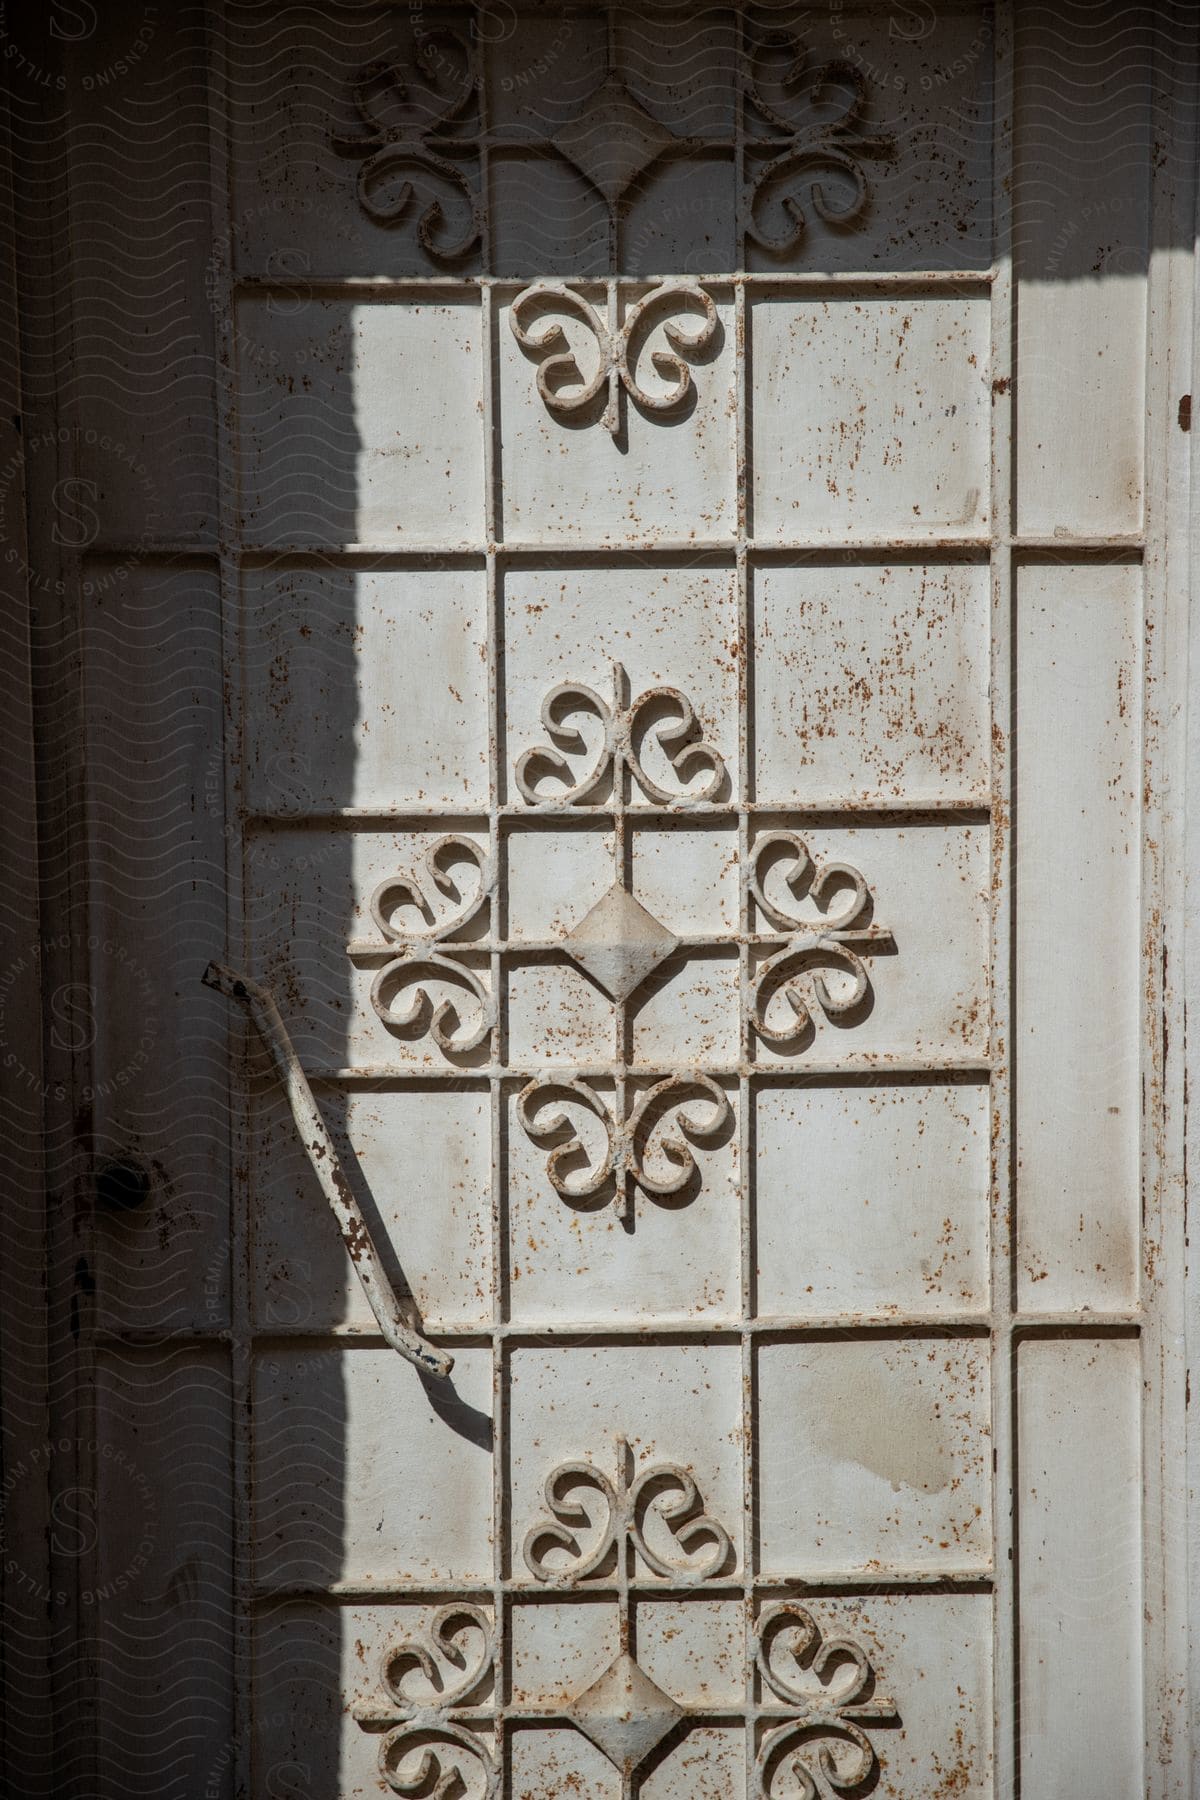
(360, 1246)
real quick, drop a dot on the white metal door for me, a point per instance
(694, 790)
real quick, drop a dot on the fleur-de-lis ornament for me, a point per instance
(402, 121)
(828, 1686)
(618, 343)
(429, 951)
(636, 1147)
(628, 724)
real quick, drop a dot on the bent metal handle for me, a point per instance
(360, 1246)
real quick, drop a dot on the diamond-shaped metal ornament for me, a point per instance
(618, 942)
(625, 1714)
(612, 139)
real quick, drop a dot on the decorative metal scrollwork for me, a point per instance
(828, 1686)
(439, 1648)
(664, 1490)
(834, 142)
(626, 728)
(422, 120)
(818, 1694)
(827, 942)
(396, 147)
(430, 1678)
(426, 953)
(632, 1146)
(617, 347)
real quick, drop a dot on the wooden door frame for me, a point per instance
(43, 1266)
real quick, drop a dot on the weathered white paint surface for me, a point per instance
(834, 1263)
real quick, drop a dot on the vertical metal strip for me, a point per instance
(1165, 588)
(745, 794)
(25, 1713)
(497, 1053)
(69, 1067)
(481, 46)
(740, 51)
(1185, 838)
(745, 527)
(611, 65)
(237, 945)
(59, 1371)
(1006, 1672)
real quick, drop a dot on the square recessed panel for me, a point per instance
(871, 417)
(872, 1200)
(555, 874)
(419, 1163)
(928, 993)
(668, 628)
(873, 1456)
(560, 1647)
(871, 683)
(363, 1474)
(542, 65)
(559, 1760)
(555, 1014)
(361, 423)
(300, 1672)
(709, 1763)
(548, 219)
(687, 1012)
(683, 220)
(576, 1263)
(677, 1404)
(686, 874)
(681, 64)
(695, 1649)
(667, 475)
(365, 687)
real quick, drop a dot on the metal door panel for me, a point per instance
(691, 783)
(656, 995)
